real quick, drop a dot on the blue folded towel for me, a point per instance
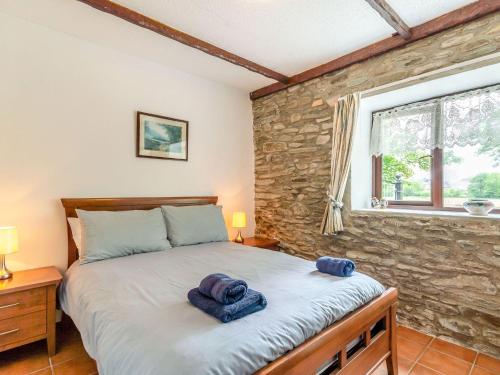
(223, 288)
(335, 266)
(252, 302)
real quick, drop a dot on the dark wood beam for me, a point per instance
(391, 17)
(181, 37)
(454, 18)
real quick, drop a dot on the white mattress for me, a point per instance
(134, 317)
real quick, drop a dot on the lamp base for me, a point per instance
(4, 272)
(239, 237)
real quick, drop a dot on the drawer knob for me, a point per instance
(9, 332)
(11, 305)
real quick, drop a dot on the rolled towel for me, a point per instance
(252, 302)
(335, 266)
(223, 288)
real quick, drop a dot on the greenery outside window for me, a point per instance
(438, 153)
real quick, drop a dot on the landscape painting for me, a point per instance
(161, 137)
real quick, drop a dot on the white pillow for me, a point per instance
(76, 232)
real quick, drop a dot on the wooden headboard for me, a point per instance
(121, 204)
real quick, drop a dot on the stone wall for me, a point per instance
(447, 270)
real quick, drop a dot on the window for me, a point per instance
(440, 152)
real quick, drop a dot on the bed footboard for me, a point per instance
(328, 353)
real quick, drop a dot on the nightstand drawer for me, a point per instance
(15, 304)
(22, 327)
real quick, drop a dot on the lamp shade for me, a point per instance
(239, 220)
(8, 240)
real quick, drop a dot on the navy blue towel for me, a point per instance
(335, 266)
(252, 302)
(223, 288)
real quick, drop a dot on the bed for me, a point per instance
(133, 315)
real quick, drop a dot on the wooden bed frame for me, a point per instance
(327, 352)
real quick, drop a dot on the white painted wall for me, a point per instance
(361, 167)
(67, 129)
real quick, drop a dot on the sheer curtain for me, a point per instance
(344, 123)
(442, 122)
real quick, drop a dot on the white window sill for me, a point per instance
(406, 212)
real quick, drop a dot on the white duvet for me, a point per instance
(134, 317)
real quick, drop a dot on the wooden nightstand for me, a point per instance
(263, 243)
(28, 308)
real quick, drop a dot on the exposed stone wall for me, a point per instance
(447, 270)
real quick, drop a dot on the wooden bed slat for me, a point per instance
(310, 355)
(367, 337)
(368, 359)
(343, 358)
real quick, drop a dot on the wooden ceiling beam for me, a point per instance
(141, 20)
(454, 18)
(391, 17)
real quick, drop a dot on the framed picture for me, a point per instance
(161, 137)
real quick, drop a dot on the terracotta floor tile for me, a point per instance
(482, 371)
(76, 366)
(421, 370)
(454, 350)
(381, 370)
(444, 363)
(25, 359)
(412, 335)
(488, 363)
(69, 349)
(46, 371)
(404, 366)
(409, 350)
(71, 358)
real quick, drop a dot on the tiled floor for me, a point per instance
(70, 359)
(418, 354)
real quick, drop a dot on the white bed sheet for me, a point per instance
(134, 317)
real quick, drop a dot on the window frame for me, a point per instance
(437, 200)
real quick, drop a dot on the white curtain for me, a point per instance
(344, 123)
(446, 121)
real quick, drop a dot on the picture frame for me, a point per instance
(161, 137)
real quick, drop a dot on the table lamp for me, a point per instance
(8, 245)
(239, 221)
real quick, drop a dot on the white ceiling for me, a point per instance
(288, 36)
(416, 12)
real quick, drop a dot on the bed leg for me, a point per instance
(392, 365)
(392, 360)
